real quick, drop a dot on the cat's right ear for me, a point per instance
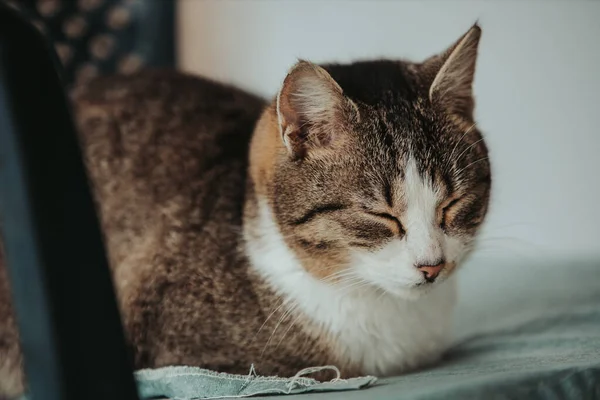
(451, 74)
(312, 111)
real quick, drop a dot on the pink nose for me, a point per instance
(430, 272)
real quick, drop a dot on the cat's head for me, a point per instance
(376, 171)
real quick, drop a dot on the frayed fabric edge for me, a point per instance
(299, 383)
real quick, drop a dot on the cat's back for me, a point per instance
(161, 129)
(163, 147)
(167, 157)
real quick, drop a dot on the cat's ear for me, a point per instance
(451, 75)
(312, 110)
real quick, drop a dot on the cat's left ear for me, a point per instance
(451, 75)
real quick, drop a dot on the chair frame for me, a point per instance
(70, 329)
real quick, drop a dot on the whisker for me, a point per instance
(516, 244)
(281, 319)
(287, 330)
(339, 274)
(457, 143)
(348, 282)
(505, 239)
(476, 161)
(283, 302)
(383, 292)
(500, 249)
(494, 228)
(468, 147)
(352, 287)
(347, 279)
(382, 276)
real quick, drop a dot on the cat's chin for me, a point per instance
(410, 293)
(388, 292)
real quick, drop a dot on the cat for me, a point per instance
(321, 228)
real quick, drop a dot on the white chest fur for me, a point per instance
(383, 334)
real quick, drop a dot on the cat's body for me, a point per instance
(215, 265)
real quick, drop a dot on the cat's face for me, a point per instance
(384, 180)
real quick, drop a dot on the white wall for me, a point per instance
(537, 87)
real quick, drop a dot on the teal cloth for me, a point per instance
(187, 383)
(523, 331)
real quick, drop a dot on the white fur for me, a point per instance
(392, 267)
(384, 331)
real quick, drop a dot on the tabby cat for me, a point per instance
(321, 228)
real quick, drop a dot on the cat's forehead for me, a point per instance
(393, 178)
(396, 118)
(389, 140)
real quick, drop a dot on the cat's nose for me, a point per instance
(430, 272)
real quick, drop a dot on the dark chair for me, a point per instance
(71, 334)
(94, 37)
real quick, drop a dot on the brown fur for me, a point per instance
(11, 379)
(168, 157)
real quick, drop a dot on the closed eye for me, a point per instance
(445, 211)
(318, 210)
(390, 220)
